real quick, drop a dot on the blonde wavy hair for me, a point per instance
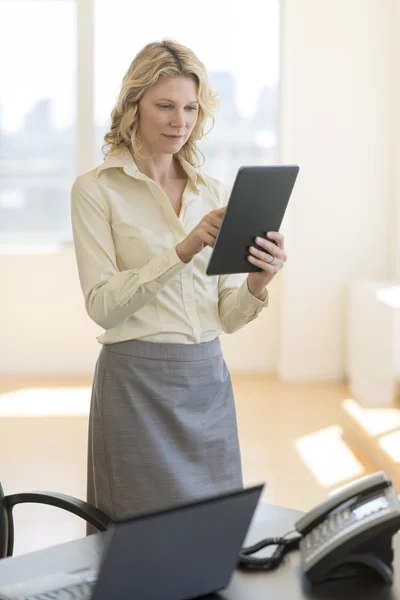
(167, 58)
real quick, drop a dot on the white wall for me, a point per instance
(338, 115)
(45, 330)
(337, 124)
(396, 76)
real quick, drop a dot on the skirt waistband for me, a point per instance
(172, 352)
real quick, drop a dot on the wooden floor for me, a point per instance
(291, 439)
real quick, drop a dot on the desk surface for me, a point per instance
(284, 582)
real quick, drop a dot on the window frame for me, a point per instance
(84, 128)
(85, 124)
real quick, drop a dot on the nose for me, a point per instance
(178, 119)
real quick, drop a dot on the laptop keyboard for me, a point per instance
(78, 591)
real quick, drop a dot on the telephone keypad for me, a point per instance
(334, 523)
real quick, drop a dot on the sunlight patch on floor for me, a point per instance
(390, 443)
(328, 457)
(374, 421)
(381, 424)
(46, 402)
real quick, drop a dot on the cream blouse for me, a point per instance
(135, 286)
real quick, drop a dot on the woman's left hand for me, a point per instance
(271, 259)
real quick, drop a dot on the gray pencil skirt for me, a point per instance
(162, 427)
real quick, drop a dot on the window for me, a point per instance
(240, 49)
(37, 119)
(38, 92)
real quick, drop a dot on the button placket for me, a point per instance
(190, 302)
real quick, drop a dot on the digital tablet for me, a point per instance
(257, 204)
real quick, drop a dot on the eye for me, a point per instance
(163, 105)
(192, 108)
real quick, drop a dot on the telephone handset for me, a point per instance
(346, 535)
(351, 531)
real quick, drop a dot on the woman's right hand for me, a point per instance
(202, 235)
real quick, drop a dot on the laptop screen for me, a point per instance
(180, 553)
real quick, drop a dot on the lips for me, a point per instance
(173, 137)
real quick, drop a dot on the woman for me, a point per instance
(162, 425)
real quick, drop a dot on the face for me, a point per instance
(167, 114)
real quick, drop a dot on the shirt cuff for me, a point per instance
(248, 304)
(162, 268)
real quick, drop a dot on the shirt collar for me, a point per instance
(122, 158)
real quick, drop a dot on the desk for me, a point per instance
(284, 583)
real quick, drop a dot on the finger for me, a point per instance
(277, 237)
(213, 219)
(273, 262)
(267, 245)
(219, 211)
(211, 229)
(267, 268)
(263, 256)
(271, 248)
(208, 240)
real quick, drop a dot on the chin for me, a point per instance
(172, 147)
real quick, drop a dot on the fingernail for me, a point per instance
(258, 240)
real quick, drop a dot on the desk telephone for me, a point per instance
(349, 533)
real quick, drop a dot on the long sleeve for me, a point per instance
(237, 306)
(111, 296)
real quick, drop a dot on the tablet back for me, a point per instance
(257, 204)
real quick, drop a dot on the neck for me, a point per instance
(160, 168)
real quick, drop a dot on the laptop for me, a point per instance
(257, 204)
(180, 553)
